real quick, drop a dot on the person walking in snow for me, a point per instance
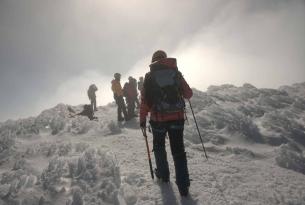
(162, 95)
(140, 83)
(140, 86)
(92, 97)
(131, 94)
(118, 97)
(135, 84)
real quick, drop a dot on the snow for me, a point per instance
(254, 138)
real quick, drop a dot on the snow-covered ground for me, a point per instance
(254, 139)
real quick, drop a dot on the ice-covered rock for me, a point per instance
(81, 125)
(64, 149)
(24, 128)
(290, 157)
(4, 190)
(77, 196)
(49, 149)
(55, 158)
(240, 151)
(6, 140)
(129, 194)
(251, 110)
(57, 124)
(81, 147)
(93, 172)
(217, 118)
(295, 90)
(114, 128)
(16, 186)
(272, 116)
(282, 124)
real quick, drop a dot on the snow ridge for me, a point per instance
(254, 138)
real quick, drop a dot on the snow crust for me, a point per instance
(254, 138)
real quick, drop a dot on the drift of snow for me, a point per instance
(254, 138)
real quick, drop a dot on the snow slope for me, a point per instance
(254, 139)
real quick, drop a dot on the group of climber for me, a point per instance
(130, 92)
(162, 95)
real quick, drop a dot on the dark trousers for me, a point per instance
(121, 107)
(93, 104)
(131, 107)
(137, 103)
(175, 133)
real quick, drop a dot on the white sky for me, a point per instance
(51, 51)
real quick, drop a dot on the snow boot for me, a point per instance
(184, 191)
(165, 180)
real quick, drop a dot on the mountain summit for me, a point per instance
(254, 138)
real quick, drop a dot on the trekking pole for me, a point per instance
(148, 153)
(186, 118)
(206, 156)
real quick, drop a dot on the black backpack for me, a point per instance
(87, 111)
(163, 90)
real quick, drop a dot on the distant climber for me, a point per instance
(140, 86)
(140, 83)
(162, 95)
(118, 97)
(137, 102)
(92, 97)
(131, 94)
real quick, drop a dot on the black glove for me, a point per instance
(143, 124)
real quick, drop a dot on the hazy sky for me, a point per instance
(52, 50)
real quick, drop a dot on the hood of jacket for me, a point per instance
(167, 63)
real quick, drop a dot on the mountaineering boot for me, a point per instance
(184, 191)
(127, 118)
(163, 179)
(156, 173)
(162, 171)
(182, 175)
(120, 119)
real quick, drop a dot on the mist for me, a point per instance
(51, 51)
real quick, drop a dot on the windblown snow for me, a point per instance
(254, 139)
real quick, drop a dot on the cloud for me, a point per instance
(260, 47)
(74, 90)
(49, 45)
(245, 41)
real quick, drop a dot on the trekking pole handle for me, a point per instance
(186, 118)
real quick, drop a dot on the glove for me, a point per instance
(143, 124)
